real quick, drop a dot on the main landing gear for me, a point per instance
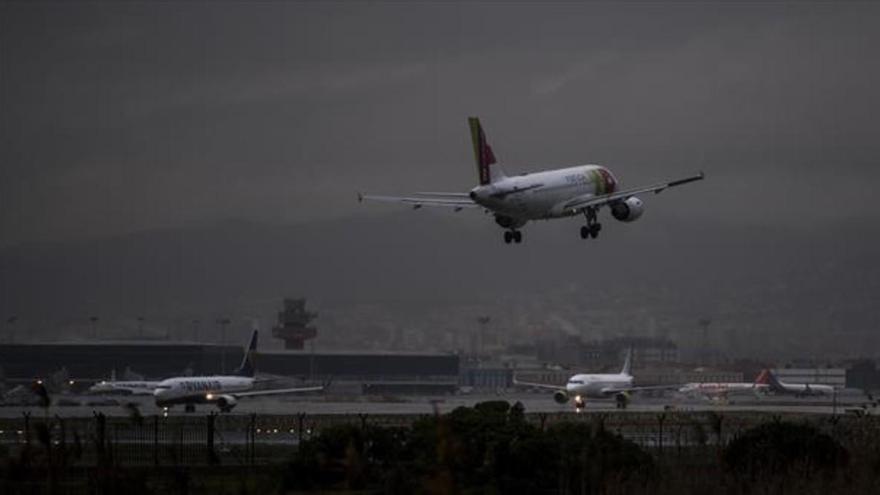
(512, 236)
(592, 228)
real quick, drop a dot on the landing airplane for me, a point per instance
(224, 391)
(560, 193)
(797, 389)
(595, 386)
(722, 390)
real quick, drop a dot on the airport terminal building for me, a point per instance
(376, 372)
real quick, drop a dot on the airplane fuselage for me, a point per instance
(721, 388)
(597, 386)
(805, 389)
(199, 389)
(542, 195)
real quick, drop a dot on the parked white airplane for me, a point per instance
(797, 389)
(580, 190)
(595, 386)
(224, 391)
(722, 390)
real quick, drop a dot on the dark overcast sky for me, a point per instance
(119, 117)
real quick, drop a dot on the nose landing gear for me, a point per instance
(592, 228)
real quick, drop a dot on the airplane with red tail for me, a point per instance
(518, 199)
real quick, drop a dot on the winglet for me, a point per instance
(692, 178)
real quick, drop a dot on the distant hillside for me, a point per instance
(817, 282)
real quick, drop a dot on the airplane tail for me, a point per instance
(248, 366)
(763, 377)
(487, 168)
(774, 381)
(627, 364)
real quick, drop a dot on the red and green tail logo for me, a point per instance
(482, 151)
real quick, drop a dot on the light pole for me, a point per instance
(94, 320)
(195, 324)
(140, 320)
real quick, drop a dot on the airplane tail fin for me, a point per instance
(627, 364)
(487, 168)
(773, 380)
(763, 377)
(248, 366)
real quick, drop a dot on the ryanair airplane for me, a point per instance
(223, 391)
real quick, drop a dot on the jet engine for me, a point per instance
(560, 397)
(628, 210)
(226, 402)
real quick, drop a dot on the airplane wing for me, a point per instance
(276, 391)
(444, 194)
(538, 385)
(456, 201)
(133, 388)
(614, 390)
(587, 201)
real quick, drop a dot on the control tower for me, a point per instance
(293, 324)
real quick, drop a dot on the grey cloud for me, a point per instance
(148, 115)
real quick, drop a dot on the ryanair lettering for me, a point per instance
(201, 385)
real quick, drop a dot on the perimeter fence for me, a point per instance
(249, 440)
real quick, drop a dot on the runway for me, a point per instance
(533, 403)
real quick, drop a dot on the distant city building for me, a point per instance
(863, 375)
(647, 351)
(605, 355)
(550, 377)
(487, 378)
(673, 376)
(567, 351)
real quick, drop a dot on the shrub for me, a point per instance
(781, 449)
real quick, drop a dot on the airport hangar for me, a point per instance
(377, 372)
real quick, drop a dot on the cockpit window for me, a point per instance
(576, 382)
